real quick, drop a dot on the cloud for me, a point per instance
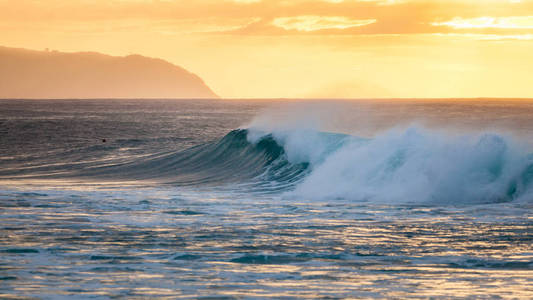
(379, 2)
(314, 23)
(246, 1)
(271, 17)
(522, 22)
(486, 36)
(384, 2)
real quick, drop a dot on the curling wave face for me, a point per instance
(230, 160)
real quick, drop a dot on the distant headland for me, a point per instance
(29, 74)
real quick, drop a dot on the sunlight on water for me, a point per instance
(159, 243)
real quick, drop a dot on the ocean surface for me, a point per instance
(255, 199)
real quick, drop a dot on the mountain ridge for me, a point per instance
(33, 74)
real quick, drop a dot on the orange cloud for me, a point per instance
(313, 23)
(523, 22)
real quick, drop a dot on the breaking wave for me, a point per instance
(412, 165)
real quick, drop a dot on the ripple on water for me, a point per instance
(19, 250)
(237, 248)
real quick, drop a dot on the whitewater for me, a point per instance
(266, 199)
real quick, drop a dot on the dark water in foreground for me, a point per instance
(383, 199)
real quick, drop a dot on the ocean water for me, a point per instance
(236, 199)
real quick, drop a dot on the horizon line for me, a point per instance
(280, 98)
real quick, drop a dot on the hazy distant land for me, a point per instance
(52, 74)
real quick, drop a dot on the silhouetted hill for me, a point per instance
(52, 74)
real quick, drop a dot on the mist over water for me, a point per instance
(259, 199)
(415, 160)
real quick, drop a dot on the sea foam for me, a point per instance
(408, 165)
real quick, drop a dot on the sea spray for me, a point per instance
(406, 163)
(416, 165)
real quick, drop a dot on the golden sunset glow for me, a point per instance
(301, 48)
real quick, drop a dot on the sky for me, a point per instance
(301, 48)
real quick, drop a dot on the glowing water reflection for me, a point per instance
(159, 243)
